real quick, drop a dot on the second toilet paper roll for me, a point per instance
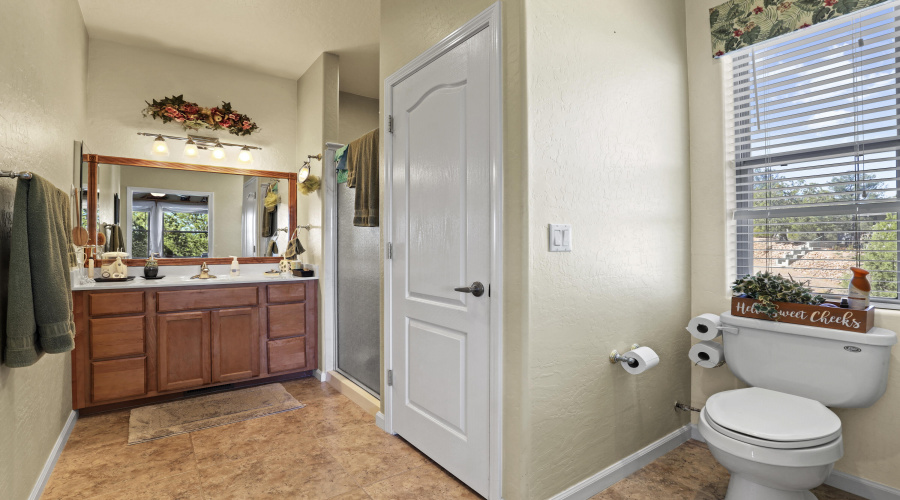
(646, 359)
(705, 326)
(707, 354)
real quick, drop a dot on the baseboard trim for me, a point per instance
(319, 374)
(862, 487)
(625, 467)
(695, 433)
(379, 420)
(64, 434)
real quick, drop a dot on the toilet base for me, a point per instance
(741, 488)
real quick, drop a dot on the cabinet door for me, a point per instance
(184, 351)
(235, 344)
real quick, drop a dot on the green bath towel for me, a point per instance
(39, 313)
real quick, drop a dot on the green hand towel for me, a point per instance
(39, 313)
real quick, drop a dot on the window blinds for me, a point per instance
(812, 128)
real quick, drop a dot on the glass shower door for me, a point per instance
(358, 292)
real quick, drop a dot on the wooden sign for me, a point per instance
(837, 318)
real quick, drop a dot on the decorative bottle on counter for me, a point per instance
(151, 268)
(859, 289)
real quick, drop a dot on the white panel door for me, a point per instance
(440, 213)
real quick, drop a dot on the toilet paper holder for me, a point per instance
(615, 357)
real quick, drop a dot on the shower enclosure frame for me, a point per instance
(329, 275)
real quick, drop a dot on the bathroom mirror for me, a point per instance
(188, 213)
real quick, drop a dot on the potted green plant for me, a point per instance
(770, 288)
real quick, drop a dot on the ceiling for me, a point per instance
(276, 37)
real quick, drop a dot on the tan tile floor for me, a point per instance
(330, 449)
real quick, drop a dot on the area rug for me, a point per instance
(189, 415)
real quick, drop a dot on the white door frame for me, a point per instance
(487, 20)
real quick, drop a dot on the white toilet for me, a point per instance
(778, 438)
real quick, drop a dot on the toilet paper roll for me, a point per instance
(707, 354)
(705, 326)
(645, 357)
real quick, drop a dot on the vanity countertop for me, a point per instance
(175, 281)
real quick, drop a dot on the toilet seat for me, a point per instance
(772, 419)
(823, 454)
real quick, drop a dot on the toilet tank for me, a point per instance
(835, 367)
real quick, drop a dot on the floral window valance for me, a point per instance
(740, 23)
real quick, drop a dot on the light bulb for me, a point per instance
(159, 147)
(304, 172)
(190, 149)
(245, 156)
(218, 152)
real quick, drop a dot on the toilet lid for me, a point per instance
(773, 416)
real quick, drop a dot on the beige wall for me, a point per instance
(317, 117)
(358, 116)
(869, 451)
(408, 28)
(607, 123)
(42, 108)
(121, 78)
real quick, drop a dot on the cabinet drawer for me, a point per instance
(287, 354)
(287, 320)
(106, 304)
(185, 300)
(292, 292)
(117, 337)
(119, 378)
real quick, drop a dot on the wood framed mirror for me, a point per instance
(187, 213)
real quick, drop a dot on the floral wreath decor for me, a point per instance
(194, 117)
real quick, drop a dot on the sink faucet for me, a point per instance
(204, 273)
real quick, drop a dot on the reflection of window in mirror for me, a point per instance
(173, 225)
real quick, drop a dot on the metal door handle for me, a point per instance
(477, 289)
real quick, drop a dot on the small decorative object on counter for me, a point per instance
(285, 267)
(151, 268)
(858, 297)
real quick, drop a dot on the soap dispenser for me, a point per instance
(235, 267)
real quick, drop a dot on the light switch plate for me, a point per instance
(560, 237)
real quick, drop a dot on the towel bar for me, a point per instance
(20, 175)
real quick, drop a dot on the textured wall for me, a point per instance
(408, 28)
(607, 119)
(121, 78)
(42, 92)
(317, 118)
(869, 451)
(358, 116)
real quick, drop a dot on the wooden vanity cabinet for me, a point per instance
(137, 344)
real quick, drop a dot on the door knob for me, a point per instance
(477, 289)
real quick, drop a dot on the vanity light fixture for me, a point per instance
(159, 147)
(245, 156)
(190, 149)
(304, 172)
(218, 152)
(194, 143)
